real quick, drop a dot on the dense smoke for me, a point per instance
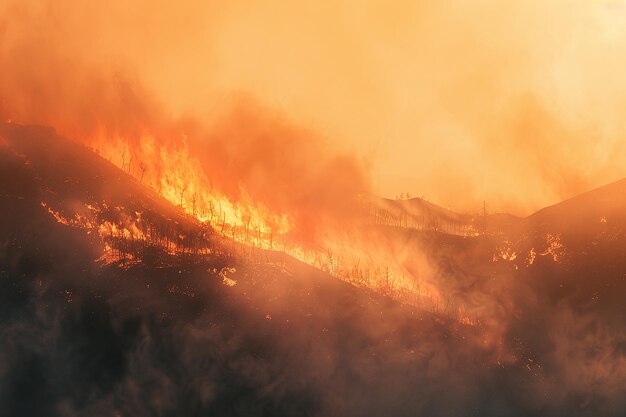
(517, 104)
(245, 150)
(299, 110)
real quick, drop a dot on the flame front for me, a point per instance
(179, 178)
(171, 171)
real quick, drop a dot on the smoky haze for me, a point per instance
(305, 109)
(79, 70)
(516, 104)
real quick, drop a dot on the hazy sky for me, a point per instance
(517, 103)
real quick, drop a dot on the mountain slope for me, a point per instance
(159, 332)
(113, 302)
(588, 213)
(417, 213)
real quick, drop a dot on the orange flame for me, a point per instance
(175, 174)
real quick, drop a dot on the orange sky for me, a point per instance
(516, 103)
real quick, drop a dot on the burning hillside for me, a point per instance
(193, 220)
(90, 242)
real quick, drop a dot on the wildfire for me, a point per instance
(76, 221)
(170, 170)
(553, 247)
(356, 255)
(178, 177)
(530, 259)
(225, 279)
(505, 252)
(122, 234)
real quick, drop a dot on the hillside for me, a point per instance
(587, 237)
(586, 214)
(417, 213)
(114, 302)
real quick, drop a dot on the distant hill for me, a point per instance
(417, 213)
(589, 213)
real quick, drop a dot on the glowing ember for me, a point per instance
(553, 247)
(225, 279)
